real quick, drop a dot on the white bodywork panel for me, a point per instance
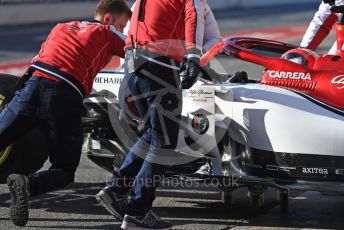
(279, 120)
(259, 116)
(198, 101)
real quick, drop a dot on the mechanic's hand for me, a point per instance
(331, 2)
(337, 9)
(189, 71)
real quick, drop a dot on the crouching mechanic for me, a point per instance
(161, 32)
(62, 75)
(320, 27)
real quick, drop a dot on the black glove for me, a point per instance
(331, 2)
(189, 71)
(337, 9)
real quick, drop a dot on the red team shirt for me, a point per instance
(182, 30)
(80, 49)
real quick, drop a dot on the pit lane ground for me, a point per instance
(189, 208)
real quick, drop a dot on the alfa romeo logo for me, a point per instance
(339, 81)
(200, 123)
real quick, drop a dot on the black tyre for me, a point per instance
(28, 153)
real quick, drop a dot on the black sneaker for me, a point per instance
(19, 190)
(148, 221)
(114, 203)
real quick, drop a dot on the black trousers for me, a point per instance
(56, 108)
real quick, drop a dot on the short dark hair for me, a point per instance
(116, 7)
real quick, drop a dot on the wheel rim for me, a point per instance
(4, 154)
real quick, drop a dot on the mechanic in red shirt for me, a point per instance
(52, 98)
(320, 27)
(161, 34)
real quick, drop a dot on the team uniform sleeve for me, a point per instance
(212, 33)
(194, 26)
(319, 27)
(119, 42)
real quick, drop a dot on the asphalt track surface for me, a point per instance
(187, 207)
